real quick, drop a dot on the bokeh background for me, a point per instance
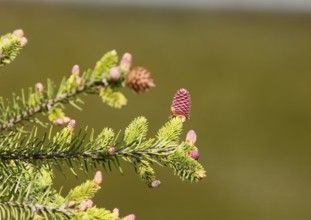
(249, 74)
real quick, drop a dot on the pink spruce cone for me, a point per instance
(71, 124)
(98, 178)
(126, 61)
(116, 211)
(39, 87)
(83, 206)
(191, 137)
(71, 204)
(19, 33)
(115, 74)
(89, 203)
(181, 104)
(24, 41)
(59, 121)
(155, 184)
(111, 150)
(75, 69)
(79, 80)
(194, 154)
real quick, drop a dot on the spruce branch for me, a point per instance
(26, 211)
(101, 81)
(75, 151)
(27, 159)
(11, 45)
(76, 205)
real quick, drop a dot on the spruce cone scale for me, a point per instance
(139, 79)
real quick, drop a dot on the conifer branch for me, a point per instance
(104, 80)
(27, 158)
(26, 211)
(43, 107)
(11, 45)
(101, 81)
(65, 148)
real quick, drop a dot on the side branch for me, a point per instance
(33, 209)
(46, 106)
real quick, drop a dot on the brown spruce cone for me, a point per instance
(139, 79)
(181, 104)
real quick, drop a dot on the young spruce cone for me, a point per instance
(181, 104)
(139, 79)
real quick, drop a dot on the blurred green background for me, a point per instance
(249, 75)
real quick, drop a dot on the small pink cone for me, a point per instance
(98, 178)
(75, 70)
(116, 212)
(24, 41)
(83, 205)
(59, 121)
(79, 80)
(194, 154)
(115, 74)
(89, 203)
(155, 184)
(191, 137)
(39, 87)
(111, 151)
(126, 61)
(71, 124)
(71, 204)
(18, 33)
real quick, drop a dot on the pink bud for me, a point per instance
(155, 184)
(39, 87)
(116, 212)
(191, 137)
(5, 41)
(79, 81)
(83, 205)
(71, 124)
(98, 178)
(111, 150)
(24, 41)
(71, 204)
(129, 217)
(115, 73)
(194, 154)
(59, 121)
(89, 203)
(18, 33)
(75, 70)
(126, 61)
